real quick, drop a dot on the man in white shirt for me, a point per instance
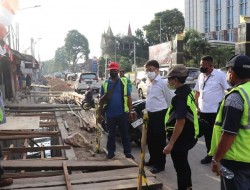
(158, 100)
(209, 92)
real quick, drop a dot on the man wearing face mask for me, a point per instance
(209, 91)
(231, 134)
(118, 109)
(158, 100)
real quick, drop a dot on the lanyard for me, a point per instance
(205, 81)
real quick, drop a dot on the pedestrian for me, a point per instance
(209, 91)
(230, 144)
(122, 74)
(3, 181)
(181, 125)
(157, 101)
(20, 81)
(116, 102)
(28, 83)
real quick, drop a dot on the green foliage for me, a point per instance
(171, 23)
(76, 45)
(221, 54)
(49, 67)
(61, 61)
(194, 47)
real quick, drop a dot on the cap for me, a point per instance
(177, 71)
(239, 61)
(113, 66)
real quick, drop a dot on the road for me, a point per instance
(202, 177)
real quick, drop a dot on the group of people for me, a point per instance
(174, 111)
(24, 82)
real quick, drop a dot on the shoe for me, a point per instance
(110, 156)
(148, 163)
(155, 170)
(206, 160)
(6, 182)
(130, 156)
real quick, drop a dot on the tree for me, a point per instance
(170, 22)
(194, 47)
(76, 46)
(221, 54)
(61, 61)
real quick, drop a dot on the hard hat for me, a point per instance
(113, 66)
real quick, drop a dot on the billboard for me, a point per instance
(161, 53)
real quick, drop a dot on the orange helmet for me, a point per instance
(113, 66)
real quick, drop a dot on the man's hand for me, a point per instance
(167, 149)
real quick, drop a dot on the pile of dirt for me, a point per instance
(59, 85)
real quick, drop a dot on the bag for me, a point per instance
(203, 124)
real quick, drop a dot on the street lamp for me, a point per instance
(29, 7)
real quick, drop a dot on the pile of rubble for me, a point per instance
(59, 85)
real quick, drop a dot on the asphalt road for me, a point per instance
(202, 177)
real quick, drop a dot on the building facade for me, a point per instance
(216, 19)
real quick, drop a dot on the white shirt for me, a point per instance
(212, 93)
(159, 96)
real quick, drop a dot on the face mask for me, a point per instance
(203, 69)
(113, 75)
(171, 87)
(151, 75)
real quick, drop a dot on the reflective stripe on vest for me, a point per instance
(125, 93)
(240, 149)
(193, 117)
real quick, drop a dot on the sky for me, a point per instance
(49, 23)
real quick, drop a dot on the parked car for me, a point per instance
(83, 80)
(193, 74)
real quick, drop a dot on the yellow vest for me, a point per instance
(192, 116)
(125, 93)
(240, 149)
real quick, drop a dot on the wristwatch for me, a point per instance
(215, 162)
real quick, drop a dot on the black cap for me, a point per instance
(239, 61)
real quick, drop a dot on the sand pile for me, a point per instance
(59, 85)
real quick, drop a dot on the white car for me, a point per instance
(85, 80)
(193, 74)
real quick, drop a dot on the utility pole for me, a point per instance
(160, 29)
(135, 61)
(115, 50)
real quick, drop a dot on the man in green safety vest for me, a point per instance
(6, 181)
(116, 102)
(230, 145)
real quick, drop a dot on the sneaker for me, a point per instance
(130, 156)
(110, 156)
(206, 160)
(6, 182)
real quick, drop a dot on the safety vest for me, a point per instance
(125, 93)
(240, 149)
(2, 116)
(191, 115)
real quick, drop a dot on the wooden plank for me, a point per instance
(42, 110)
(3, 133)
(130, 184)
(66, 176)
(36, 149)
(72, 165)
(40, 106)
(27, 175)
(69, 153)
(16, 137)
(82, 178)
(19, 123)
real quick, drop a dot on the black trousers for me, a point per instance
(183, 170)
(210, 118)
(156, 138)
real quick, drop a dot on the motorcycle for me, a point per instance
(135, 127)
(88, 101)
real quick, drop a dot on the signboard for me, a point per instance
(94, 66)
(161, 53)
